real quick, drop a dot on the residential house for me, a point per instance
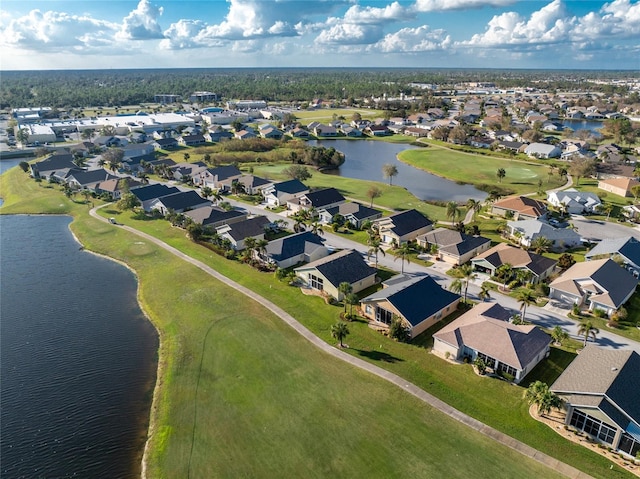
(526, 232)
(106, 141)
(346, 266)
(115, 187)
(179, 202)
(271, 132)
(542, 150)
(486, 332)
(573, 201)
(454, 247)
(618, 186)
(632, 212)
(245, 134)
(298, 132)
(88, 179)
(321, 130)
(377, 130)
(147, 194)
(188, 171)
(296, 248)
(324, 198)
(219, 178)
(600, 393)
(165, 144)
(402, 227)
(238, 232)
(44, 169)
(537, 265)
(598, 284)
(218, 134)
(352, 212)
(627, 249)
(514, 146)
(350, 131)
(133, 150)
(192, 140)
(418, 301)
(214, 216)
(253, 185)
(278, 194)
(519, 208)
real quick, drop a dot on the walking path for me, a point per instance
(411, 388)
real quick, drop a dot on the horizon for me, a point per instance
(52, 35)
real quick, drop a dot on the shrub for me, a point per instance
(398, 331)
(447, 355)
(480, 364)
(599, 313)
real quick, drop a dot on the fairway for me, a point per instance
(520, 177)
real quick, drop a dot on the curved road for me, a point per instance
(411, 388)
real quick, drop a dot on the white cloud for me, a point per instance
(183, 34)
(413, 40)
(55, 31)
(374, 15)
(350, 33)
(442, 5)
(141, 23)
(620, 18)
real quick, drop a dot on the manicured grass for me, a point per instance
(351, 419)
(548, 371)
(521, 177)
(393, 197)
(326, 115)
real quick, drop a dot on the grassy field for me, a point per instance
(242, 388)
(521, 177)
(325, 115)
(393, 197)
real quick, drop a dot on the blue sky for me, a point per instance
(554, 34)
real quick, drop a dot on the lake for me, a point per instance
(364, 161)
(591, 125)
(78, 358)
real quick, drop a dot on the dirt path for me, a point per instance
(411, 388)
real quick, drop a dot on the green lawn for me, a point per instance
(262, 390)
(521, 177)
(325, 115)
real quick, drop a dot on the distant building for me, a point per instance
(202, 97)
(164, 99)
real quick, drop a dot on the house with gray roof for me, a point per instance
(218, 178)
(346, 266)
(179, 202)
(600, 392)
(454, 247)
(278, 194)
(353, 212)
(88, 179)
(539, 266)
(303, 247)
(542, 150)
(238, 232)
(598, 284)
(214, 216)
(147, 194)
(573, 201)
(324, 198)
(418, 301)
(402, 227)
(253, 185)
(627, 248)
(49, 166)
(526, 232)
(486, 332)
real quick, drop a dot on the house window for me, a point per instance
(384, 316)
(593, 427)
(316, 282)
(508, 369)
(629, 445)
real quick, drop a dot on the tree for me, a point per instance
(345, 289)
(128, 201)
(635, 190)
(24, 166)
(540, 244)
(582, 167)
(606, 208)
(195, 231)
(475, 206)
(559, 335)
(587, 329)
(389, 170)
(113, 157)
(375, 247)
(484, 292)
(538, 393)
(565, 261)
(453, 212)
(297, 172)
(456, 286)
(403, 253)
(22, 135)
(351, 299)
(374, 192)
(206, 191)
(398, 331)
(316, 228)
(501, 173)
(339, 331)
(504, 273)
(526, 297)
(237, 187)
(108, 130)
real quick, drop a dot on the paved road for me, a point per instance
(599, 230)
(411, 388)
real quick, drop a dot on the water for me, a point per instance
(78, 358)
(10, 163)
(364, 161)
(590, 125)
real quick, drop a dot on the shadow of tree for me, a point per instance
(379, 356)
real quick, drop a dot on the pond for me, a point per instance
(590, 125)
(364, 161)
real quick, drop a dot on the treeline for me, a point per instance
(81, 88)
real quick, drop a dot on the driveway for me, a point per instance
(598, 230)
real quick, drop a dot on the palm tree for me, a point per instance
(402, 252)
(453, 212)
(206, 191)
(540, 244)
(559, 335)
(298, 220)
(475, 206)
(501, 173)
(484, 292)
(261, 247)
(375, 247)
(237, 187)
(389, 170)
(526, 297)
(538, 393)
(456, 286)
(351, 299)
(216, 195)
(587, 329)
(339, 331)
(345, 289)
(504, 271)
(316, 228)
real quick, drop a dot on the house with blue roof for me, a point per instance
(418, 301)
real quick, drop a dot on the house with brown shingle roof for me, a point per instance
(599, 390)
(599, 284)
(485, 332)
(489, 261)
(618, 186)
(519, 208)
